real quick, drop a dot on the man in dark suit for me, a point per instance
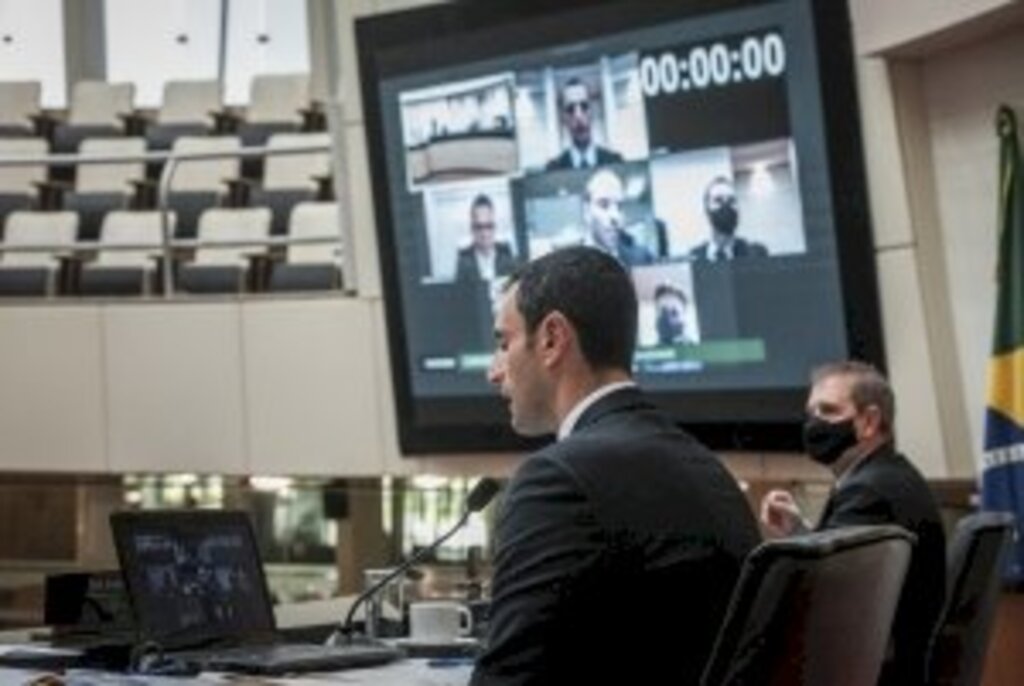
(670, 306)
(619, 544)
(849, 429)
(583, 152)
(721, 209)
(485, 258)
(604, 221)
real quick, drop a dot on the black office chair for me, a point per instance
(980, 545)
(814, 609)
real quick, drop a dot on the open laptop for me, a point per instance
(197, 590)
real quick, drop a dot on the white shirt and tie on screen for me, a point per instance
(583, 152)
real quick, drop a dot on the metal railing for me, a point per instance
(169, 243)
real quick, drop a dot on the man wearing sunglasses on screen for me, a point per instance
(577, 117)
(485, 258)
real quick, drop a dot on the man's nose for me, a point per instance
(495, 373)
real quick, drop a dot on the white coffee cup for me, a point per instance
(439, 621)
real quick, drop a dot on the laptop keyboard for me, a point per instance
(294, 658)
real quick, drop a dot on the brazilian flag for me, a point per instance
(1002, 481)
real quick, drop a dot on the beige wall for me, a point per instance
(931, 76)
(961, 90)
(303, 386)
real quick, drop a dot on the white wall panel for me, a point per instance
(887, 189)
(175, 387)
(311, 389)
(918, 429)
(51, 397)
(346, 13)
(362, 215)
(264, 37)
(155, 41)
(32, 46)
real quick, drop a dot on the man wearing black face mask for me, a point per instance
(849, 429)
(722, 213)
(670, 305)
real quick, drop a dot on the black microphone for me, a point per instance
(478, 498)
(482, 494)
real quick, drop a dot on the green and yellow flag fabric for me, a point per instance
(1002, 478)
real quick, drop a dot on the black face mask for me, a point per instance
(670, 327)
(724, 219)
(826, 442)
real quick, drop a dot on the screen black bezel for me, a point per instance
(434, 29)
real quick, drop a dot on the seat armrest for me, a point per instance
(314, 118)
(144, 196)
(225, 121)
(51, 193)
(260, 265)
(134, 123)
(239, 191)
(70, 271)
(44, 124)
(324, 187)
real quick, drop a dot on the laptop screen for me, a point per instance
(192, 576)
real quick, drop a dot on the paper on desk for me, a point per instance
(90, 677)
(26, 677)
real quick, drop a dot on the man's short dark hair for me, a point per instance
(572, 81)
(593, 291)
(869, 387)
(481, 200)
(663, 289)
(717, 181)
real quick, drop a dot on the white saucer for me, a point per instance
(411, 642)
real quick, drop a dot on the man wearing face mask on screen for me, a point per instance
(721, 209)
(850, 415)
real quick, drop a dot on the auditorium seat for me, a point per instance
(811, 610)
(97, 110)
(310, 266)
(19, 103)
(187, 110)
(35, 272)
(18, 185)
(977, 552)
(200, 184)
(276, 104)
(130, 246)
(291, 179)
(223, 268)
(102, 187)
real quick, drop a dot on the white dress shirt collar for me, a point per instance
(569, 422)
(485, 264)
(585, 158)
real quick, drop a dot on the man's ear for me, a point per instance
(871, 421)
(554, 337)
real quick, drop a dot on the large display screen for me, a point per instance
(712, 147)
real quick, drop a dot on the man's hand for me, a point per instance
(780, 514)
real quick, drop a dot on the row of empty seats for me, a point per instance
(42, 256)
(99, 109)
(64, 232)
(196, 185)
